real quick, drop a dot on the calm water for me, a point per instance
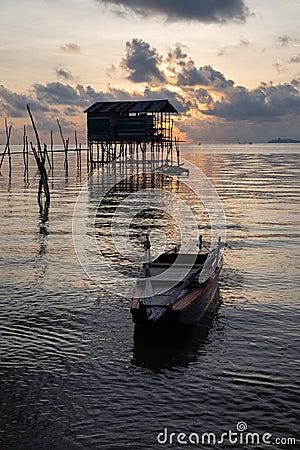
(75, 374)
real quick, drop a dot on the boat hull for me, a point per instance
(187, 310)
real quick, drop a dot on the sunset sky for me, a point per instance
(231, 67)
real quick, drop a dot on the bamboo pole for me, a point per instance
(24, 151)
(27, 153)
(8, 132)
(43, 182)
(40, 160)
(7, 147)
(36, 133)
(46, 155)
(66, 145)
(51, 148)
(79, 157)
(78, 151)
(66, 156)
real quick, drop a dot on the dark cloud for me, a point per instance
(14, 105)
(63, 74)
(11, 103)
(56, 93)
(71, 111)
(202, 96)
(261, 104)
(296, 82)
(199, 10)
(188, 74)
(75, 98)
(71, 48)
(177, 54)
(142, 62)
(181, 102)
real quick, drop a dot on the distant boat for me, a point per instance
(169, 169)
(172, 299)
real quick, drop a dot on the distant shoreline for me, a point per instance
(284, 141)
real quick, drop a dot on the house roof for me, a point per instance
(132, 107)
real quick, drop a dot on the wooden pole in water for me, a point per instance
(40, 160)
(27, 153)
(7, 148)
(43, 184)
(47, 155)
(177, 150)
(80, 157)
(51, 148)
(77, 149)
(24, 151)
(66, 145)
(35, 132)
(66, 156)
(8, 132)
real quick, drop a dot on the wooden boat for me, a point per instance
(169, 169)
(177, 287)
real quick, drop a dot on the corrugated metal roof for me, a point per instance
(133, 106)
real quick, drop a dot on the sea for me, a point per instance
(75, 371)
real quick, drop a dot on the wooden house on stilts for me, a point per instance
(122, 128)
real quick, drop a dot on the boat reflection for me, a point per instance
(166, 347)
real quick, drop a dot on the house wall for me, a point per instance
(113, 126)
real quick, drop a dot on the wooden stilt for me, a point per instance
(52, 150)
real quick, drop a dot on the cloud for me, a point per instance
(202, 76)
(279, 67)
(261, 104)
(204, 97)
(111, 71)
(295, 59)
(75, 98)
(244, 42)
(142, 62)
(71, 48)
(283, 40)
(188, 74)
(13, 104)
(196, 10)
(63, 74)
(191, 76)
(288, 41)
(56, 94)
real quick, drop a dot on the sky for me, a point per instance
(230, 67)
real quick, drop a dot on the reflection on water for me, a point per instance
(158, 347)
(76, 374)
